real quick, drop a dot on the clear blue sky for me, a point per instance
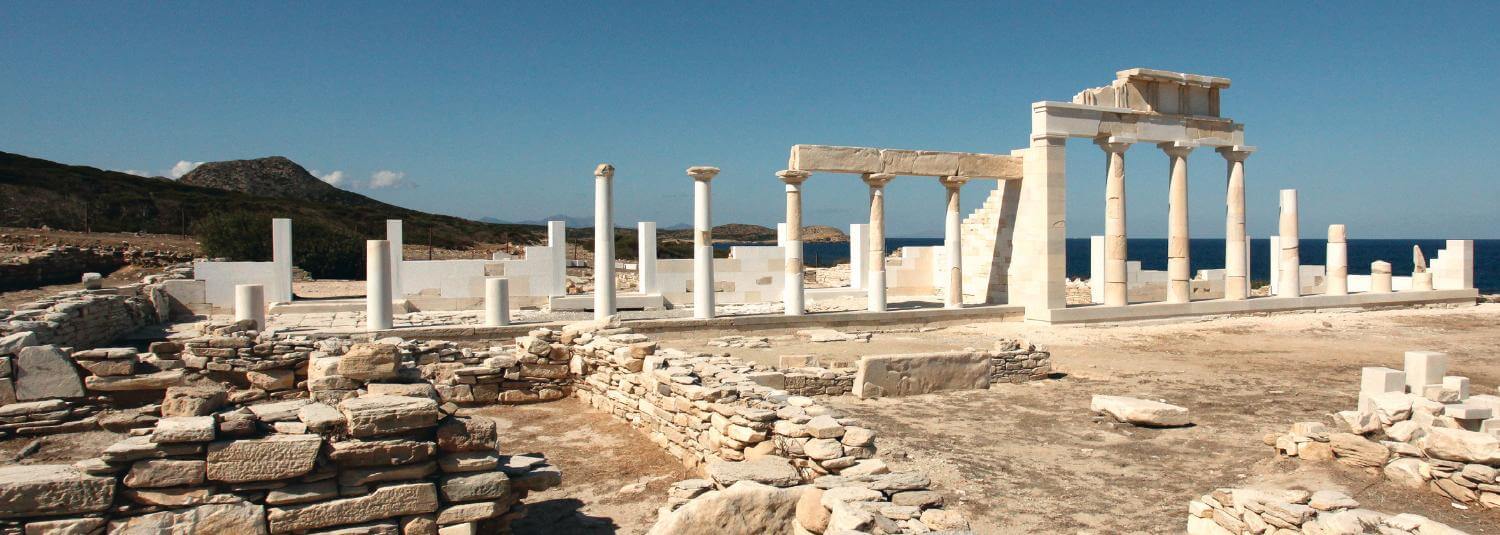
(1383, 115)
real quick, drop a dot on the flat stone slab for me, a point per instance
(920, 373)
(52, 489)
(43, 372)
(769, 470)
(1142, 412)
(384, 502)
(272, 458)
(382, 415)
(239, 518)
(150, 381)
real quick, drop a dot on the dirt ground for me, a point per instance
(613, 477)
(1029, 459)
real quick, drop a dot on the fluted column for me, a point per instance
(703, 242)
(1116, 293)
(1289, 281)
(604, 242)
(1236, 265)
(875, 263)
(1179, 265)
(952, 246)
(793, 300)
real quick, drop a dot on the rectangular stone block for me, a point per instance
(384, 502)
(52, 489)
(989, 166)
(1379, 380)
(382, 415)
(912, 374)
(272, 458)
(832, 159)
(1457, 384)
(918, 162)
(1424, 368)
(45, 372)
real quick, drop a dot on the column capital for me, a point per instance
(877, 180)
(1177, 149)
(953, 182)
(703, 173)
(792, 176)
(604, 171)
(1236, 153)
(1114, 144)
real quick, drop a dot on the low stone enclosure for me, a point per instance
(1419, 428)
(275, 433)
(67, 263)
(1231, 511)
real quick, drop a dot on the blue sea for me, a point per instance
(1209, 254)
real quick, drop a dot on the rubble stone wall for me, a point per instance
(56, 265)
(1233, 511)
(88, 318)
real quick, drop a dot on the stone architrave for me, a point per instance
(45, 372)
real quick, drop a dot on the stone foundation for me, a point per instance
(88, 318)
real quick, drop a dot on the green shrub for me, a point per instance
(324, 250)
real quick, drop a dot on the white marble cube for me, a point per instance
(1465, 411)
(1425, 368)
(1460, 384)
(1379, 380)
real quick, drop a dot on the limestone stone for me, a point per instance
(1358, 451)
(181, 429)
(192, 400)
(475, 487)
(272, 380)
(1328, 500)
(415, 390)
(468, 434)
(384, 502)
(810, 513)
(1140, 411)
(1461, 445)
(152, 381)
(268, 459)
(918, 498)
(44, 372)
(419, 525)
(155, 473)
(107, 367)
(824, 427)
(240, 518)
(769, 470)
(370, 362)
(352, 477)
(371, 528)
(472, 512)
(67, 526)
(321, 418)
(303, 493)
(823, 449)
(383, 415)
(470, 461)
(907, 375)
(745, 508)
(52, 489)
(11, 344)
(379, 452)
(282, 411)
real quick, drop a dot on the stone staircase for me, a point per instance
(986, 240)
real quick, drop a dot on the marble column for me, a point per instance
(794, 300)
(645, 257)
(604, 242)
(952, 246)
(703, 242)
(1236, 258)
(875, 260)
(281, 258)
(1289, 281)
(250, 304)
(377, 285)
(1116, 293)
(1179, 265)
(1337, 281)
(1380, 277)
(496, 302)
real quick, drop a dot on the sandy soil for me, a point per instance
(1029, 458)
(613, 477)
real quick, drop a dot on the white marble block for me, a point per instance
(1379, 380)
(1425, 368)
(1457, 384)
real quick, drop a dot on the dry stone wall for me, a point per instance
(88, 318)
(1235, 511)
(56, 265)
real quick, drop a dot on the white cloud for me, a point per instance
(387, 179)
(335, 179)
(135, 172)
(183, 167)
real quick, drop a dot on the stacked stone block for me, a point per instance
(1235, 511)
(1442, 439)
(1016, 361)
(88, 318)
(370, 464)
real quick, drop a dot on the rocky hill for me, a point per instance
(38, 193)
(273, 176)
(743, 233)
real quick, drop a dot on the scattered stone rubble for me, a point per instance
(877, 502)
(830, 335)
(1140, 412)
(750, 342)
(1442, 439)
(1235, 511)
